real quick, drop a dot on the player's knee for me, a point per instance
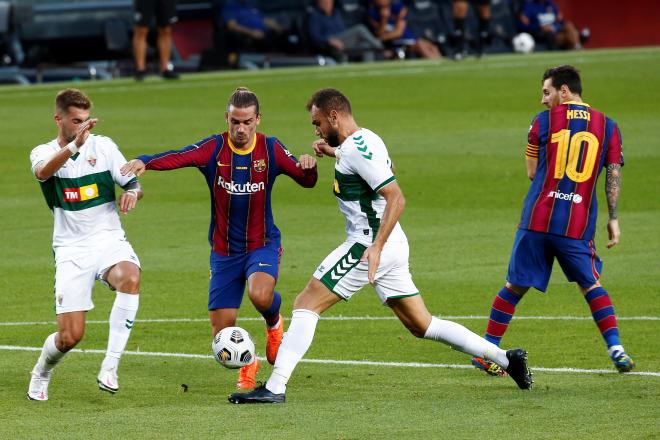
(261, 298)
(140, 32)
(164, 31)
(129, 282)
(68, 339)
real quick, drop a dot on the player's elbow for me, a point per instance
(310, 181)
(41, 175)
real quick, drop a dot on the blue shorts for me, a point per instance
(229, 274)
(534, 253)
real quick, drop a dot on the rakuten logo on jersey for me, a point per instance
(242, 189)
(575, 198)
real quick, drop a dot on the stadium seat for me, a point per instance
(11, 51)
(502, 26)
(425, 21)
(352, 11)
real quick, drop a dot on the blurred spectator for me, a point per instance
(249, 29)
(164, 12)
(543, 20)
(460, 12)
(388, 21)
(329, 35)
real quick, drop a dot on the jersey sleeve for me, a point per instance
(288, 164)
(115, 161)
(38, 155)
(371, 163)
(532, 150)
(194, 155)
(615, 147)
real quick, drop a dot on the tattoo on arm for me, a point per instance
(613, 188)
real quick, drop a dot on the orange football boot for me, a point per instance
(273, 340)
(247, 376)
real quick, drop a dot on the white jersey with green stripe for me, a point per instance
(363, 167)
(81, 193)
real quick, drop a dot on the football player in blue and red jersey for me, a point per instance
(568, 146)
(240, 167)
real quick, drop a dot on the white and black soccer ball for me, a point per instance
(523, 43)
(233, 347)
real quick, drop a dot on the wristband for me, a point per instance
(72, 147)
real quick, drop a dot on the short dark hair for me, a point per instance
(327, 100)
(71, 98)
(567, 75)
(243, 98)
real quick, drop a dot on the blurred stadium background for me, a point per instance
(51, 40)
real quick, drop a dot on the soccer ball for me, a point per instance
(523, 43)
(233, 347)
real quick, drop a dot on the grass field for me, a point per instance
(457, 133)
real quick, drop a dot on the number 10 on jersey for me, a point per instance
(568, 154)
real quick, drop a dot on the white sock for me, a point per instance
(122, 318)
(295, 343)
(50, 356)
(614, 348)
(461, 339)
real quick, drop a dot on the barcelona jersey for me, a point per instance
(572, 142)
(240, 183)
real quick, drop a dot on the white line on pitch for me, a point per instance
(350, 318)
(348, 362)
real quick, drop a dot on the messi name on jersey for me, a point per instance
(241, 189)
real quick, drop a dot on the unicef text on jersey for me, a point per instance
(575, 198)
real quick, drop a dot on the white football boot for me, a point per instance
(108, 380)
(38, 389)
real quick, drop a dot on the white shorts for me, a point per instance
(77, 268)
(344, 274)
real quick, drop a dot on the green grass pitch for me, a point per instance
(457, 133)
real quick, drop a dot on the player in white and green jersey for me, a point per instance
(78, 172)
(375, 251)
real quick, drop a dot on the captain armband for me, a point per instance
(532, 151)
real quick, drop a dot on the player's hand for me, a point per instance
(613, 232)
(83, 131)
(127, 201)
(321, 148)
(257, 34)
(372, 257)
(336, 44)
(306, 162)
(135, 166)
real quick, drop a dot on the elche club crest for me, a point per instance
(91, 159)
(259, 165)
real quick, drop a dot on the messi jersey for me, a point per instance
(240, 183)
(573, 142)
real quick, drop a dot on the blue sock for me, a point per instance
(272, 314)
(501, 312)
(602, 311)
